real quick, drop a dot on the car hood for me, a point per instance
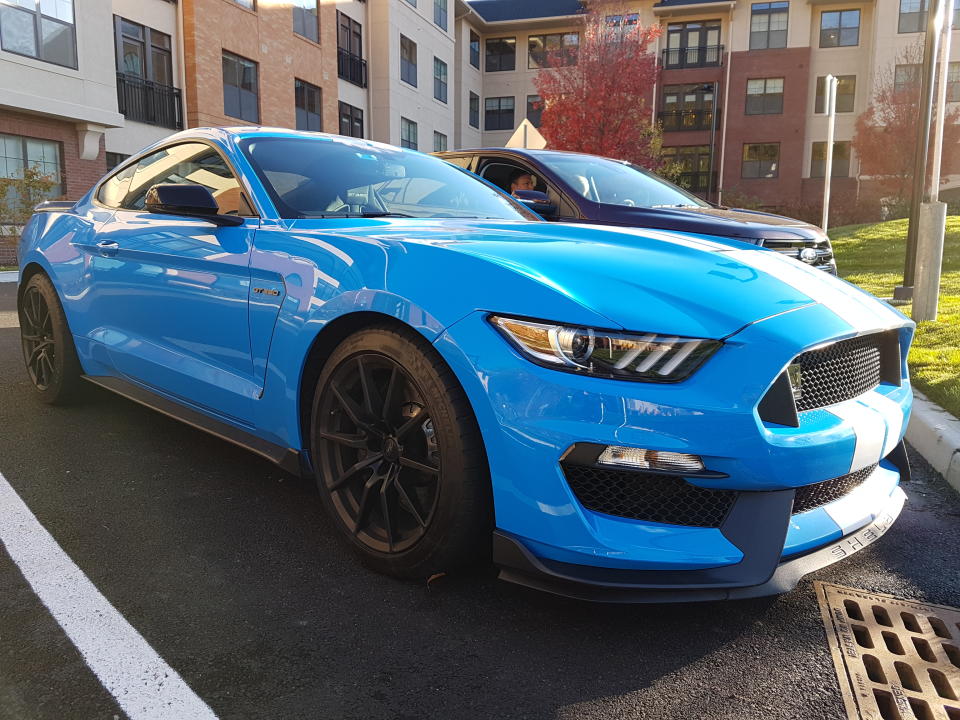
(634, 279)
(747, 225)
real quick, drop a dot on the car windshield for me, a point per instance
(618, 183)
(319, 177)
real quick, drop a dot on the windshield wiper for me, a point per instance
(383, 213)
(678, 205)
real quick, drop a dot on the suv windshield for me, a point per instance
(617, 183)
(319, 177)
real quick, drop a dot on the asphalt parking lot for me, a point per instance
(231, 572)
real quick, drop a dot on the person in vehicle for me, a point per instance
(520, 180)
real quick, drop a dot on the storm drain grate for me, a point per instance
(895, 659)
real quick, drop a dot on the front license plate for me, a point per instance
(874, 531)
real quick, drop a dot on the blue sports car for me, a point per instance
(609, 413)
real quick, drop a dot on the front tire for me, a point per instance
(48, 350)
(399, 457)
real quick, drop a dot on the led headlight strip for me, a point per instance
(603, 353)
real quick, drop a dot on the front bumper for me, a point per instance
(757, 525)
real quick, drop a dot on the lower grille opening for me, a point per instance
(648, 496)
(823, 493)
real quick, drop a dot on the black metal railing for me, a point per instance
(692, 57)
(696, 182)
(677, 120)
(149, 102)
(351, 68)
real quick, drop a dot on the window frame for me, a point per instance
(60, 187)
(256, 69)
(500, 113)
(37, 18)
(822, 170)
(406, 124)
(441, 16)
(473, 113)
(437, 142)
(744, 160)
(820, 95)
(488, 56)
(840, 27)
(683, 30)
(767, 106)
(300, 6)
(307, 87)
(440, 81)
(767, 10)
(148, 50)
(408, 66)
(538, 112)
(474, 49)
(353, 114)
(569, 57)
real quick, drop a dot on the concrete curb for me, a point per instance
(935, 434)
(9, 276)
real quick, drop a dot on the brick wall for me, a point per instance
(266, 37)
(78, 175)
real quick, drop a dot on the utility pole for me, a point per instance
(922, 146)
(714, 87)
(933, 217)
(830, 96)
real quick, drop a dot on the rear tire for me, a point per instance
(48, 350)
(399, 458)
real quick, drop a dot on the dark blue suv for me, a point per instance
(588, 188)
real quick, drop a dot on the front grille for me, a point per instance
(647, 496)
(823, 253)
(838, 372)
(819, 494)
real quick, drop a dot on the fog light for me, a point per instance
(650, 459)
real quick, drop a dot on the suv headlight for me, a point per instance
(602, 353)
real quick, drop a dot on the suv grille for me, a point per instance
(646, 496)
(838, 372)
(793, 248)
(813, 496)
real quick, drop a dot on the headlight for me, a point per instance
(626, 356)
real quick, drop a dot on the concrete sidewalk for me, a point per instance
(9, 276)
(935, 434)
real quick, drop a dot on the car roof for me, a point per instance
(528, 152)
(242, 132)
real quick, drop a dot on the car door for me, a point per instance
(171, 293)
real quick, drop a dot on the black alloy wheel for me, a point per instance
(381, 461)
(48, 350)
(398, 455)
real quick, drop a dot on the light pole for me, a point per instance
(713, 87)
(830, 97)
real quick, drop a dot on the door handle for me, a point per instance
(108, 248)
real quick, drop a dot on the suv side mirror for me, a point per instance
(538, 202)
(194, 201)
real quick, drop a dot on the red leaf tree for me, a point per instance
(596, 99)
(885, 131)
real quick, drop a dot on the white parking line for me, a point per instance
(9, 276)
(137, 677)
(9, 320)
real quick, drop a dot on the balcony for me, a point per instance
(351, 68)
(696, 182)
(680, 120)
(149, 102)
(692, 57)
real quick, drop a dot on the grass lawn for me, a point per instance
(8, 267)
(871, 256)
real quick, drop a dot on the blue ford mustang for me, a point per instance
(615, 414)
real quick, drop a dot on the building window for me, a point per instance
(309, 106)
(498, 113)
(694, 163)
(619, 26)
(350, 63)
(546, 50)
(408, 133)
(906, 78)
(534, 109)
(142, 52)
(846, 93)
(440, 80)
(439, 142)
(412, 2)
(114, 159)
(761, 160)
(501, 54)
(440, 13)
(687, 107)
(42, 30)
(764, 96)
(248, 4)
(18, 153)
(306, 19)
(474, 110)
(913, 16)
(474, 49)
(953, 82)
(408, 60)
(840, 28)
(351, 120)
(841, 159)
(240, 90)
(693, 44)
(768, 25)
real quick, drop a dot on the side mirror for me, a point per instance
(194, 201)
(538, 202)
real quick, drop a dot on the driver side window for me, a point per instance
(187, 163)
(501, 172)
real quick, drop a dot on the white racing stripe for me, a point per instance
(869, 428)
(137, 677)
(863, 312)
(860, 506)
(892, 415)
